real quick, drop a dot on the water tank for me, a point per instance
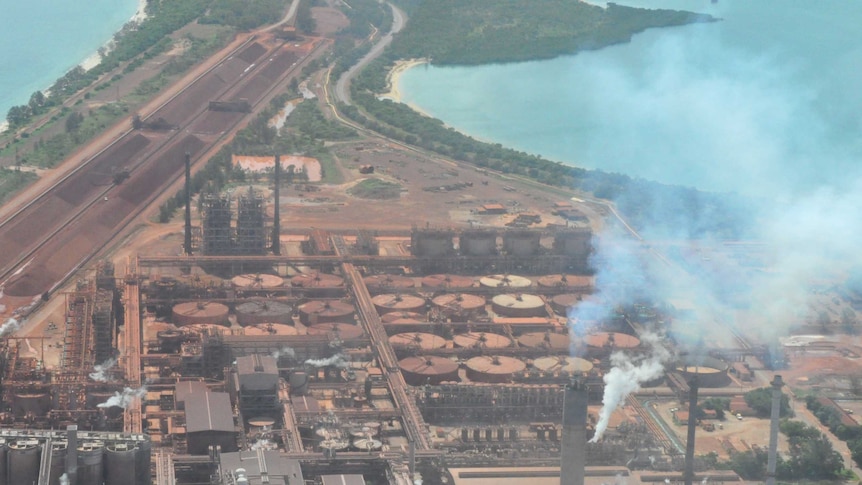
(90, 463)
(398, 303)
(341, 331)
(120, 464)
(418, 340)
(326, 311)
(195, 312)
(24, 460)
(459, 306)
(505, 281)
(481, 340)
(519, 305)
(264, 311)
(419, 371)
(493, 369)
(319, 285)
(478, 242)
(447, 281)
(256, 281)
(388, 283)
(270, 329)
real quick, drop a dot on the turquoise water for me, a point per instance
(765, 101)
(40, 40)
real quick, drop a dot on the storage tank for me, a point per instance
(569, 365)
(334, 444)
(478, 242)
(256, 281)
(481, 340)
(710, 372)
(423, 341)
(4, 450)
(270, 329)
(398, 303)
(446, 281)
(170, 341)
(200, 312)
(399, 317)
(367, 444)
(505, 281)
(120, 464)
(326, 311)
(459, 306)
(608, 341)
(142, 460)
(522, 243)
(298, 381)
(419, 371)
(58, 461)
(263, 311)
(36, 403)
(570, 282)
(545, 340)
(319, 285)
(562, 303)
(343, 331)
(519, 305)
(24, 459)
(388, 283)
(90, 462)
(493, 369)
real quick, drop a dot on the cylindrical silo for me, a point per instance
(459, 306)
(342, 331)
(387, 283)
(419, 340)
(265, 311)
(493, 369)
(709, 371)
(256, 281)
(481, 340)
(24, 459)
(387, 303)
(505, 282)
(419, 371)
(519, 305)
(4, 450)
(319, 285)
(447, 281)
(197, 312)
(142, 460)
(120, 464)
(58, 461)
(91, 463)
(319, 311)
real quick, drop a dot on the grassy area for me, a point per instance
(375, 188)
(12, 181)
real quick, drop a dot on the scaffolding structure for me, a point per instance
(458, 403)
(251, 236)
(216, 230)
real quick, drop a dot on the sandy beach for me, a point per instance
(95, 58)
(395, 74)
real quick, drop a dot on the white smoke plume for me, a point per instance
(99, 373)
(285, 352)
(64, 479)
(336, 360)
(125, 398)
(626, 377)
(9, 326)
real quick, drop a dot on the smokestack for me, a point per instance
(573, 455)
(72, 453)
(772, 458)
(688, 474)
(276, 229)
(187, 243)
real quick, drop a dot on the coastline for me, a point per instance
(95, 58)
(394, 75)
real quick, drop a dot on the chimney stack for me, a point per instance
(573, 456)
(72, 453)
(772, 457)
(688, 474)
(187, 243)
(276, 229)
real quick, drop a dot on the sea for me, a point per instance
(766, 101)
(40, 40)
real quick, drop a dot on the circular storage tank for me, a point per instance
(403, 317)
(419, 371)
(459, 305)
(320, 311)
(611, 341)
(424, 341)
(584, 283)
(519, 305)
(35, 403)
(120, 463)
(319, 284)
(196, 312)
(385, 282)
(398, 303)
(23, 461)
(256, 281)
(343, 331)
(446, 281)
(334, 445)
(270, 329)
(493, 369)
(504, 281)
(710, 372)
(562, 303)
(570, 365)
(545, 340)
(366, 444)
(481, 340)
(269, 311)
(90, 463)
(261, 422)
(170, 341)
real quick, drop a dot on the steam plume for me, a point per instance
(336, 360)
(99, 371)
(9, 326)
(285, 352)
(64, 479)
(125, 398)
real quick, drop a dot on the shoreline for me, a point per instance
(394, 75)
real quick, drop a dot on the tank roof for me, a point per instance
(548, 340)
(422, 340)
(252, 281)
(496, 364)
(572, 365)
(505, 281)
(482, 340)
(613, 340)
(428, 365)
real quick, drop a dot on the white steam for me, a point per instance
(124, 399)
(64, 479)
(285, 352)
(626, 377)
(336, 360)
(99, 373)
(9, 326)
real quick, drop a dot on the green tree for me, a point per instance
(760, 400)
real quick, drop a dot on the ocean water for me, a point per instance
(40, 40)
(767, 101)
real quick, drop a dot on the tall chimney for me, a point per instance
(688, 474)
(276, 228)
(72, 453)
(573, 455)
(187, 243)
(772, 458)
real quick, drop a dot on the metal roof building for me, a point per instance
(259, 467)
(209, 421)
(342, 480)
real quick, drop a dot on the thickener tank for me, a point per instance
(24, 461)
(459, 306)
(120, 461)
(265, 311)
(481, 340)
(710, 372)
(562, 303)
(256, 281)
(493, 369)
(91, 463)
(446, 281)
(329, 311)
(602, 342)
(563, 364)
(545, 340)
(571, 282)
(420, 340)
(342, 331)
(398, 303)
(388, 283)
(505, 281)
(431, 369)
(195, 312)
(519, 305)
(399, 317)
(319, 285)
